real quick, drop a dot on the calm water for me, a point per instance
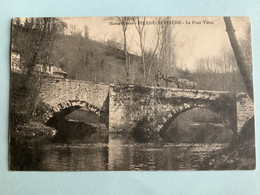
(111, 152)
(77, 147)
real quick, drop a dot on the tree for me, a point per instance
(113, 44)
(140, 25)
(240, 59)
(34, 41)
(86, 33)
(166, 50)
(124, 24)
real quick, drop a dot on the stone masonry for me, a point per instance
(61, 94)
(122, 106)
(130, 104)
(245, 110)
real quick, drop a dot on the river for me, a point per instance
(114, 152)
(78, 148)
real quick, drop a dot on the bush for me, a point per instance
(143, 132)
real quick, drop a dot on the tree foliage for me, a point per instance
(33, 39)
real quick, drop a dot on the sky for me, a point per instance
(195, 37)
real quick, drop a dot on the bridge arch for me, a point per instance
(224, 109)
(51, 111)
(168, 117)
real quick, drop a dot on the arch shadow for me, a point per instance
(65, 108)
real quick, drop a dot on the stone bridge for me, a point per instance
(60, 95)
(121, 107)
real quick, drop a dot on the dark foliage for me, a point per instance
(143, 132)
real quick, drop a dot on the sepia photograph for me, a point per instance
(131, 94)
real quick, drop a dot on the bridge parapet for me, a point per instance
(191, 93)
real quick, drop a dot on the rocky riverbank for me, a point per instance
(34, 129)
(239, 155)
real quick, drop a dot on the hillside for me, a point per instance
(89, 60)
(85, 59)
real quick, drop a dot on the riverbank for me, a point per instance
(234, 157)
(34, 129)
(239, 155)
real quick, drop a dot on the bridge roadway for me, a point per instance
(122, 106)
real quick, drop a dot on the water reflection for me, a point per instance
(109, 152)
(79, 146)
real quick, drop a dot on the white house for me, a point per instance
(58, 72)
(50, 70)
(15, 62)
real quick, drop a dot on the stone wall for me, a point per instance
(56, 92)
(245, 110)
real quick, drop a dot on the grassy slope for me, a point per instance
(85, 59)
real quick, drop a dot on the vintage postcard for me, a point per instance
(131, 93)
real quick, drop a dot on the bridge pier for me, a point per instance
(129, 104)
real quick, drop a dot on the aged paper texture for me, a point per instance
(131, 93)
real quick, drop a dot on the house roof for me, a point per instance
(58, 70)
